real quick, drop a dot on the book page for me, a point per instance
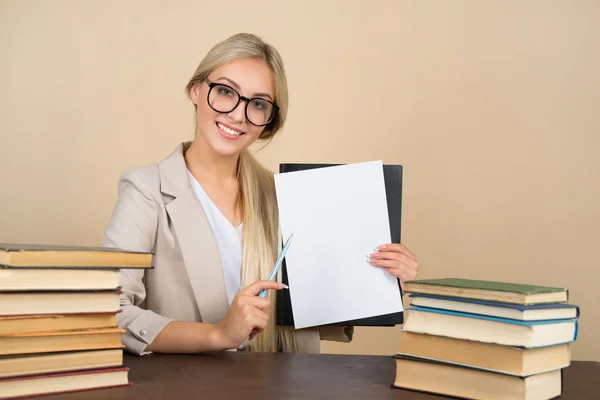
(337, 216)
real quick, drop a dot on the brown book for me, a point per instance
(55, 341)
(29, 303)
(15, 279)
(44, 256)
(12, 388)
(493, 357)
(36, 323)
(37, 364)
(470, 383)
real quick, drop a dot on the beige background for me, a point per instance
(491, 106)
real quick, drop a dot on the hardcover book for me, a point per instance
(487, 329)
(67, 382)
(534, 312)
(488, 290)
(471, 383)
(45, 256)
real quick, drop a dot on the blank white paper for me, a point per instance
(337, 215)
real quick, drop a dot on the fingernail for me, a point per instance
(378, 248)
(283, 285)
(371, 255)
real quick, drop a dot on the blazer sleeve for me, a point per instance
(133, 226)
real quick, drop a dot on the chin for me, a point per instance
(224, 151)
(226, 148)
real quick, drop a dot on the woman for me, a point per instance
(208, 211)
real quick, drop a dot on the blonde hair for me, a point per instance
(257, 197)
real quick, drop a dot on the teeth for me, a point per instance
(230, 131)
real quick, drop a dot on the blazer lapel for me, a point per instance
(195, 237)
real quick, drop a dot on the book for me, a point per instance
(19, 279)
(55, 341)
(486, 329)
(508, 360)
(392, 175)
(535, 312)
(55, 322)
(37, 364)
(488, 290)
(471, 383)
(46, 256)
(16, 387)
(28, 303)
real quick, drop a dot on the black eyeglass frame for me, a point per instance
(211, 85)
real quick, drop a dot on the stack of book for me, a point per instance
(485, 340)
(58, 326)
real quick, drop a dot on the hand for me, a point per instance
(248, 314)
(397, 260)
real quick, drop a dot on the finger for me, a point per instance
(401, 274)
(398, 273)
(401, 258)
(261, 325)
(257, 322)
(253, 334)
(254, 312)
(392, 264)
(256, 287)
(253, 302)
(261, 315)
(398, 248)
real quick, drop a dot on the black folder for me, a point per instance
(392, 175)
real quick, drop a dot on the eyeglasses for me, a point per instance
(224, 99)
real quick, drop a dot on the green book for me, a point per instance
(505, 292)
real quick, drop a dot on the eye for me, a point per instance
(260, 104)
(225, 91)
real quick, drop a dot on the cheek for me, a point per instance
(205, 114)
(254, 131)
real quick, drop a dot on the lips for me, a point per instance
(229, 130)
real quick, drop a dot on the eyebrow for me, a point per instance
(236, 86)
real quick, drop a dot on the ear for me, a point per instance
(195, 92)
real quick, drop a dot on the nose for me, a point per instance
(238, 114)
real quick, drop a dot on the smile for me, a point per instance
(229, 130)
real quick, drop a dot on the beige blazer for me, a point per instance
(157, 211)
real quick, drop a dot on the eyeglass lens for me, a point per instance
(224, 99)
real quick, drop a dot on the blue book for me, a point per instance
(537, 312)
(482, 328)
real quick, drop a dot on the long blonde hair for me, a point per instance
(257, 197)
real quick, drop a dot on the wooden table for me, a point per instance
(262, 376)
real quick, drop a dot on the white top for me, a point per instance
(228, 238)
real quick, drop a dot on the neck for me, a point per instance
(209, 167)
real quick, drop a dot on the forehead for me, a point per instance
(252, 75)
